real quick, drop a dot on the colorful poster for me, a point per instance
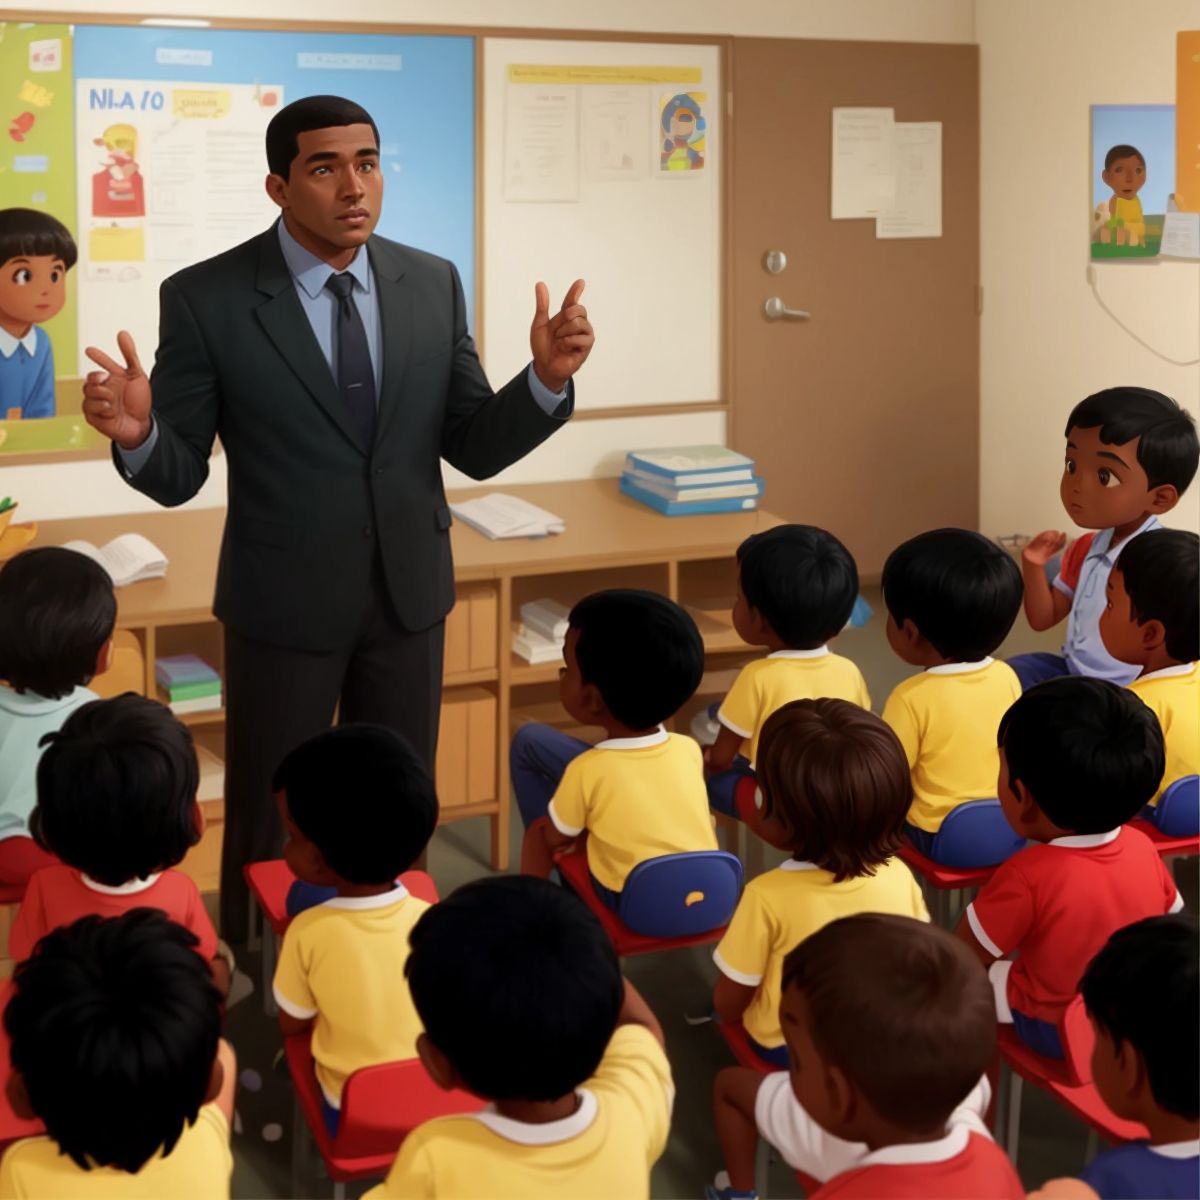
(682, 131)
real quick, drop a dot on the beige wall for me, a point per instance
(1046, 343)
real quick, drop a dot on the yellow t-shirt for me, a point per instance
(946, 719)
(1128, 211)
(638, 798)
(343, 963)
(780, 908)
(1173, 694)
(199, 1167)
(770, 683)
(603, 1151)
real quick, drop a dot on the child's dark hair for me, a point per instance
(960, 590)
(836, 776)
(1168, 450)
(1123, 151)
(1161, 571)
(517, 985)
(641, 651)
(1142, 988)
(117, 790)
(31, 233)
(57, 609)
(363, 797)
(1089, 753)
(902, 1008)
(802, 581)
(303, 116)
(114, 1027)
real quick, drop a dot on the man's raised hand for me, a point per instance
(116, 400)
(560, 343)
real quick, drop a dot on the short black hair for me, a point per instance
(1168, 450)
(517, 984)
(1089, 753)
(1142, 988)
(303, 116)
(1122, 151)
(960, 590)
(57, 609)
(114, 1027)
(361, 794)
(641, 651)
(836, 776)
(116, 790)
(902, 1008)
(1161, 572)
(802, 581)
(29, 233)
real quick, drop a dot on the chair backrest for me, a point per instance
(678, 895)
(975, 834)
(1178, 807)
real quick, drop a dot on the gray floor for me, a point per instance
(675, 984)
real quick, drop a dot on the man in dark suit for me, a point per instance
(336, 377)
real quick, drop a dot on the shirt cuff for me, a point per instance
(742, 977)
(292, 1010)
(722, 719)
(561, 825)
(132, 461)
(980, 933)
(553, 404)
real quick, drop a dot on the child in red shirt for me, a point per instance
(117, 805)
(1078, 758)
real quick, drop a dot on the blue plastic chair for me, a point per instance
(975, 834)
(1178, 810)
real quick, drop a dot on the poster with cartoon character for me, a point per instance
(682, 130)
(1133, 179)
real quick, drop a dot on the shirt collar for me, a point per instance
(9, 342)
(1085, 841)
(1167, 672)
(1102, 542)
(32, 704)
(944, 1149)
(959, 668)
(398, 893)
(818, 652)
(795, 864)
(526, 1133)
(311, 272)
(125, 889)
(1177, 1149)
(656, 738)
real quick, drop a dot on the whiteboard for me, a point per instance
(574, 187)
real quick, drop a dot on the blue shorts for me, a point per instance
(777, 1056)
(332, 1116)
(1040, 1036)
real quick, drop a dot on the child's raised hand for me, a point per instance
(1044, 547)
(117, 400)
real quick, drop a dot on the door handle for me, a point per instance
(774, 309)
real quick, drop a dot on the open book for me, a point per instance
(499, 516)
(129, 558)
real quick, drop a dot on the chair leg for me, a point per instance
(339, 1191)
(1013, 1133)
(762, 1163)
(253, 925)
(301, 1142)
(270, 947)
(1092, 1147)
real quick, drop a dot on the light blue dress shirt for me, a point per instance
(310, 273)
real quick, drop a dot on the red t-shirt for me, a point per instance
(59, 895)
(1058, 903)
(981, 1171)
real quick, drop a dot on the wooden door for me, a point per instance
(864, 419)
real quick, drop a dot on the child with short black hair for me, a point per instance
(57, 612)
(1078, 758)
(632, 659)
(890, 1027)
(115, 1032)
(359, 808)
(1131, 453)
(1152, 620)
(117, 807)
(952, 596)
(835, 790)
(796, 589)
(523, 1004)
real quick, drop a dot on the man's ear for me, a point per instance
(437, 1065)
(18, 1096)
(276, 187)
(104, 658)
(216, 1079)
(1163, 498)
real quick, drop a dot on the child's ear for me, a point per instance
(592, 701)
(437, 1065)
(18, 1096)
(216, 1080)
(1027, 809)
(104, 658)
(1153, 634)
(843, 1100)
(1163, 498)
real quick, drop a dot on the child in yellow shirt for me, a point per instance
(835, 789)
(523, 1004)
(359, 807)
(1152, 620)
(796, 590)
(632, 658)
(952, 596)
(115, 1028)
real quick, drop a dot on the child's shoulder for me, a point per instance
(1137, 1169)
(339, 916)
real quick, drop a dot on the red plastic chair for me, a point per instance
(12, 893)
(269, 883)
(738, 1040)
(949, 885)
(381, 1106)
(12, 1127)
(1167, 847)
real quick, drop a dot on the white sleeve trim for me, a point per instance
(801, 1142)
(1177, 905)
(981, 934)
(724, 720)
(292, 1010)
(734, 974)
(561, 825)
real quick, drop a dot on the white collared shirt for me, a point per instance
(9, 342)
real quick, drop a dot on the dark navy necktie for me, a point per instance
(355, 374)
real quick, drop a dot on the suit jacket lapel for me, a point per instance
(395, 325)
(284, 322)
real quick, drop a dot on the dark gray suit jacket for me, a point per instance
(308, 505)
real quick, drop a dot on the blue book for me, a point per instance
(693, 464)
(682, 508)
(183, 670)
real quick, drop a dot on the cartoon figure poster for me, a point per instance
(682, 131)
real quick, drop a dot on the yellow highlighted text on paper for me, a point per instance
(622, 76)
(117, 243)
(205, 104)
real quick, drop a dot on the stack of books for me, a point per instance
(543, 629)
(692, 479)
(187, 684)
